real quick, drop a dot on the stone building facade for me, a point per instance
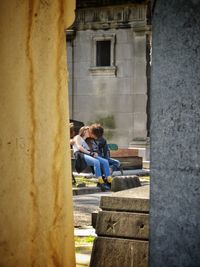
(108, 48)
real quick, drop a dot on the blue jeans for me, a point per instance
(97, 163)
(114, 164)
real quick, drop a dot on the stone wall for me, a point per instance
(119, 92)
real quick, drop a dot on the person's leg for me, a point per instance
(106, 168)
(94, 163)
(114, 163)
(97, 169)
(105, 165)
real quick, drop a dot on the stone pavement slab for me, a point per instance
(84, 232)
(84, 205)
(83, 248)
(83, 258)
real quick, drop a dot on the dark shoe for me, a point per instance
(103, 187)
(108, 185)
(109, 181)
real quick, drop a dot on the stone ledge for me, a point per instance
(86, 190)
(135, 200)
(103, 71)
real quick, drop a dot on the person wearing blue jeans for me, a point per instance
(96, 163)
(101, 147)
(92, 158)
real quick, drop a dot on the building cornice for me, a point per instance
(108, 17)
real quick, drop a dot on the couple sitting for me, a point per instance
(90, 146)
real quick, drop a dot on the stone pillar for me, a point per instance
(36, 223)
(140, 89)
(175, 132)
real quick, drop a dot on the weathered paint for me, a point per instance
(36, 226)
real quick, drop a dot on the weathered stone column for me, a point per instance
(36, 225)
(175, 132)
(140, 89)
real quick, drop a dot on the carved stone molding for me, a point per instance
(110, 17)
(103, 71)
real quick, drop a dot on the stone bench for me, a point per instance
(129, 163)
(128, 158)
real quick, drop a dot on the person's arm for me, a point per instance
(77, 141)
(106, 151)
(71, 141)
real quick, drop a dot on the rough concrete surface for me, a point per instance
(84, 205)
(123, 224)
(135, 199)
(119, 253)
(175, 132)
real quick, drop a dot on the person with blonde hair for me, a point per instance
(82, 151)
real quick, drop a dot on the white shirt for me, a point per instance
(82, 143)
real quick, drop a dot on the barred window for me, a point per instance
(103, 53)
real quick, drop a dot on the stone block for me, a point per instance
(115, 252)
(124, 182)
(135, 200)
(81, 185)
(123, 224)
(94, 215)
(124, 152)
(131, 162)
(86, 190)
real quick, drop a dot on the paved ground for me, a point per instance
(118, 173)
(84, 205)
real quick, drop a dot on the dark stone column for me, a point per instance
(175, 135)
